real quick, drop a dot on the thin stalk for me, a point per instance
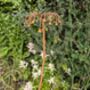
(44, 55)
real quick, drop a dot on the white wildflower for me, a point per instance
(33, 62)
(23, 64)
(30, 47)
(68, 71)
(36, 74)
(51, 67)
(52, 52)
(32, 51)
(35, 67)
(39, 72)
(28, 86)
(51, 80)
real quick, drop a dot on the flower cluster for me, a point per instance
(35, 71)
(51, 68)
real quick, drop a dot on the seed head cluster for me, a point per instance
(46, 17)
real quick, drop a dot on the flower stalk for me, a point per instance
(44, 18)
(44, 53)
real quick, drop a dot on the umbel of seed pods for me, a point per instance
(44, 19)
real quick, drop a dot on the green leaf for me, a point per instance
(4, 51)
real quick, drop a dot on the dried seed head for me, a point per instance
(46, 17)
(29, 20)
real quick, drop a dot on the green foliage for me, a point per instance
(11, 37)
(10, 5)
(70, 43)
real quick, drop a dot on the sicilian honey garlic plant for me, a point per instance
(45, 18)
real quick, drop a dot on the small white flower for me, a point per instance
(42, 54)
(51, 67)
(33, 62)
(30, 47)
(68, 71)
(39, 72)
(52, 52)
(23, 64)
(35, 75)
(35, 67)
(51, 80)
(33, 51)
(28, 86)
